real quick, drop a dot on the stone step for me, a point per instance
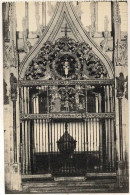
(72, 188)
(103, 183)
(67, 186)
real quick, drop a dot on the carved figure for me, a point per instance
(13, 84)
(120, 85)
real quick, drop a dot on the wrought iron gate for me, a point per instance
(92, 128)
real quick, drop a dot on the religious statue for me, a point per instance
(13, 84)
(66, 67)
(120, 85)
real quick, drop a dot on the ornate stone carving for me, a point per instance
(13, 84)
(93, 26)
(10, 57)
(104, 43)
(65, 59)
(6, 98)
(27, 44)
(121, 53)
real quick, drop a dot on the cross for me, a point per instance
(65, 30)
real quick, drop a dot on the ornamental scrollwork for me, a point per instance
(65, 59)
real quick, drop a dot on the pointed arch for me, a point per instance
(65, 10)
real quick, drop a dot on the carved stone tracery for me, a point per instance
(65, 59)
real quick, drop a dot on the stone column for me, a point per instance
(122, 180)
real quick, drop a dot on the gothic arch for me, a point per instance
(62, 12)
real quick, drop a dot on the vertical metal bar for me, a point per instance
(47, 99)
(81, 134)
(54, 136)
(99, 98)
(24, 149)
(26, 144)
(27, 111)
(39, 137)
(28, 151)
(23, 102)
(112, 146)
(109, 126)
(106, 142)
(105, 99)
(42, 149)
(32, 144)
(25, 99)
(100, 145)
(93, 121)
(86, 98)
(48, 121)
(108, 97)
(84, 124)
(36, 136)
(23, 153)
(35, 108)
(90, 133)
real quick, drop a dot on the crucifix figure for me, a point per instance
(66, 67)
(66, 30)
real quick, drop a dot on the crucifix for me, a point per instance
(66, 30)
(66, 67)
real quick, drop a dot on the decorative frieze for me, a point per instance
(66, 115)
(65, 82)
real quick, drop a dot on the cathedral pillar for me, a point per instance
(11, 107)
(121, 104)
(121, 133)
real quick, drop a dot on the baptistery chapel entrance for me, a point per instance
(67, 112)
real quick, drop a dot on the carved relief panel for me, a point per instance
(66, 59)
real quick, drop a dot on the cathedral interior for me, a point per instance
(65, 72)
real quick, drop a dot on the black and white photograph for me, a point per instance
(65, 97)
